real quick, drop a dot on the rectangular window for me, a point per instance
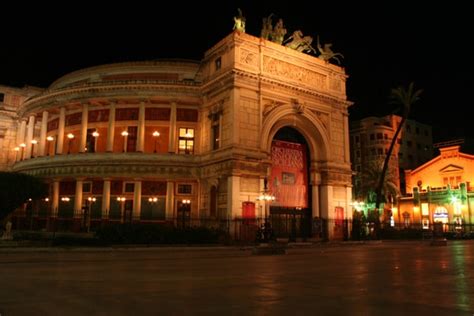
(129, 187)
(218, 63)
(380, 151)
(385, 136)
(358, 154)
(215, 136)
(185, 188)
(186, 141)
(409, 143)
(417, 130)
(445, 181)
(356, 139)
(2, 97)
(372, 136)
(90, 140)
(379, 136)
(86, 187)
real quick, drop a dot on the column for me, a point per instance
(234, 207)
(141, 127)
(44, 128)
(327, 208)
(111, 128)
(172, 140)
(60, 138)
(315, 200)
(55, 200)
(347, 154)
(348, 206)
(29, 136)
(78, 199)
(137, 201)
(170, 215)
(106, 199)
(21, 140)
(84, 122)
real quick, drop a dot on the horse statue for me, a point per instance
(327, 54)
(300, 43)
(239, 22)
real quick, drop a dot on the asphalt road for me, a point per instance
(410, 278)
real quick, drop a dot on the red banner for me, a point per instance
(288, 180)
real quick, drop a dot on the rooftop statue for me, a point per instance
(327, 54)
(267, 27)
(239, 22)
(279, 32)
(300, 43)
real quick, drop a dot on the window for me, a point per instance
(372, 151)
(356, 139)
(426, 132)
(379, 136)
(186, 141)
(2, 97)
(409, 143)
(372, 136)
(185, 188)
(218, 63)
(408, 128)
(418, 146)
(87, 187)
(380, 151)
(358, 153)
(129, 187)
(215, 136)
(90, 140)
(385, 136)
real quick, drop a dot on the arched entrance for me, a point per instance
(290, 213)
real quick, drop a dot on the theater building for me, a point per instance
(439, 191)
(192, 141)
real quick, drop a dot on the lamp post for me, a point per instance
(70, 137)
(124, 134)
(49, 140)
(185, 204)
(87, 218)
(22, 146)
(266, 232)
(33, 143)
(156, 134)
(121, 200)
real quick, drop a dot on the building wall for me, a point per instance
(246, 87)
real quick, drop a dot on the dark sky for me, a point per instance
(385, 44)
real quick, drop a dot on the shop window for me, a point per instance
(186, 141)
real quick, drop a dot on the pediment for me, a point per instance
(451, 168)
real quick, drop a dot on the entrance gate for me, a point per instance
(290, 222)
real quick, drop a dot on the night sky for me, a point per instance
(384, 45)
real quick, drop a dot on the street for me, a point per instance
(389, 278)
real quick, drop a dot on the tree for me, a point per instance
(405, 98)
(16, 188)
(369, 177)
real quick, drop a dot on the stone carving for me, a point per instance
(300, 43)
(297, 106)
(247, 57)
(239, 22)
(327, 54)
(289, 71)
(269, 107)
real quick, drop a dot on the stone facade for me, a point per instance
(216, 120)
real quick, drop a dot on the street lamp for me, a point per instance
(70, 137)
(156, 134)
(124, 134)
(49, 139)
(33, 143)
(22, 146)
(266, 198)
(87, 218)
(185, 204)
(121, 200)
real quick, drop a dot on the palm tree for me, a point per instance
(369, 178)
(405, 98)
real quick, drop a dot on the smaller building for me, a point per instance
(370, 140)
(439, 191)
